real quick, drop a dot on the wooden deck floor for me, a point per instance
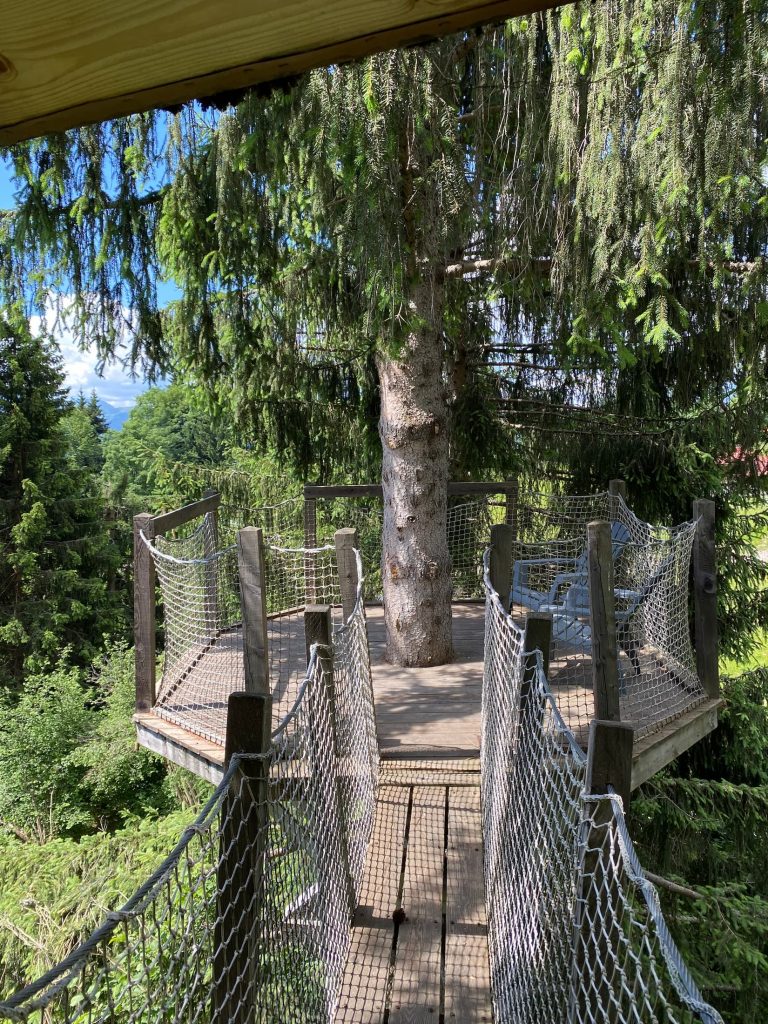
(420, 712)
(419, 939)
(430, 710)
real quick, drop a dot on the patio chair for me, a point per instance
(574, 577)
(568, 628)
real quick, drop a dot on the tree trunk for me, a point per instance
(414, 429)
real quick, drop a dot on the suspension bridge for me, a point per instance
(387, 844)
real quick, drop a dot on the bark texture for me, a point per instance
(414, 428)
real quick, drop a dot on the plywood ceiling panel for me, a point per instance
(69, 62)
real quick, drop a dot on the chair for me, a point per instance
(577, 596)
(577, 633)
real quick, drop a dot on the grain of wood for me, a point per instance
(364, 987)
(467, 970)
(416, 983)
(70, 62)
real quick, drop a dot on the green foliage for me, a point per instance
(705, 822)
(55, 554)
(68, 761)
(166, 426)
(53, 895)
(84, 452)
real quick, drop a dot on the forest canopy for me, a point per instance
(537, 250)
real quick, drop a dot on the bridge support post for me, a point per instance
(609, 764)
(538, 637)
(705, 597)
(500, 562)
(243, 839)
(210, 547)
(253, 602)
(144, 613)
(310, 541)
(318, 632)
(605, 673)
(511, 494)
(346, 542)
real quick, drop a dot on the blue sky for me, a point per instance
(115, 387)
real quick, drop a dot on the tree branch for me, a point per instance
(544, 263)
(680, 890)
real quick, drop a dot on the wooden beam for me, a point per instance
(168, 521)
(609, 758)
(500, 561)
(145, 656)
(346, 541)
(705, 597)
(617, 488)
(605, 674)
(510, 504)
(71, 62)
(244, 833)
(180, 746)
(655, 751)
(210, 548)
(253, 598)
(538, 637)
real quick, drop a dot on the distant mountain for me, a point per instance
(115, 417)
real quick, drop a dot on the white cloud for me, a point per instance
(114, 386)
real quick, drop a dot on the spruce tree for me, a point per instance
(582, 189)
(54, 549)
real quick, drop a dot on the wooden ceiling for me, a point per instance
(70, 62)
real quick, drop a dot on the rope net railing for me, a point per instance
(200, 587)
(249, 917)
(575, 930)
(549, 573)
(468, 524)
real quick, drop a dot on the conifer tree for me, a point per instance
(583, 188)
(54, 549)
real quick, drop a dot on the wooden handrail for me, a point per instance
(177, 517)
(375, 490)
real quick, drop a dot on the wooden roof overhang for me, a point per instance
(65, 63)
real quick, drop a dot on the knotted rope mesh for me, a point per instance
(202, 622)
(657, 674)
(575, 931)
(468, 524)
(248, 919)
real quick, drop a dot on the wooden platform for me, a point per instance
(430, 710)
(419, 938)
(420, 712)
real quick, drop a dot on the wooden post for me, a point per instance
(609, 763)
(538, 637)
(253, 602)
(511, 493)
(609, 758)
(310, 541)
(318, 630)
(243, 837)
(144, 613)
(346, 542)
(210, 547)
(500, 564)
(705, 597)
(605, 675)
(618, 488)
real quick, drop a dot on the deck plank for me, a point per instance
(364, 988)
(467, 970)
(417, 977)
